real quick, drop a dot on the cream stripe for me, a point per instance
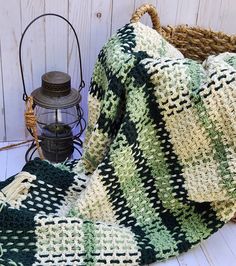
(58, 239)
(93, 202)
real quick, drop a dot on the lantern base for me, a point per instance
(50, 155)
(57, 150)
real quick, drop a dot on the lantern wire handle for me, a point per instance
(82, 83)
(31, 123)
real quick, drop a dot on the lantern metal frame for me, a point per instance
(76, 138)
(77, 142)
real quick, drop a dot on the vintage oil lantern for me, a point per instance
(54, 116)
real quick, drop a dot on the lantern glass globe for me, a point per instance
(56, 118)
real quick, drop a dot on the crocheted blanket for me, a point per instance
(158, 174)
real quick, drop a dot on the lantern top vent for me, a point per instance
(56, 91)
(56, 83)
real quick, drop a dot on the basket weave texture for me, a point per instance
(194, 42)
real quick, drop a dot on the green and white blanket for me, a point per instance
(158, 174)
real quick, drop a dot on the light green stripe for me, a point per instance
(99, 76)
(88, 229)
(231, 60)
(137, 199)
(114, 50)
(189, 220)
(218, 147)
(110, 105)
(163, 48)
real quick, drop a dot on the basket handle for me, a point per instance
(151, 10)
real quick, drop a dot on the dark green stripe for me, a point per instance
(123, 211)
(20, 226)
(148, 180)
(50, 176)
(142, 80)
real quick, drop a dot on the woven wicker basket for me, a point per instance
(194, 42)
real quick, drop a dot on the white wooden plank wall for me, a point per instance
(50, 45)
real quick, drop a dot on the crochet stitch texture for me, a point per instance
(158, 174)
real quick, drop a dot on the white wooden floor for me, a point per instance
(218, 250)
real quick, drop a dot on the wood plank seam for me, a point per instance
(3, 109)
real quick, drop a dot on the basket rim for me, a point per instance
(153, 13)
(197, 28)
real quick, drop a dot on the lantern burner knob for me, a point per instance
(56, 83)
